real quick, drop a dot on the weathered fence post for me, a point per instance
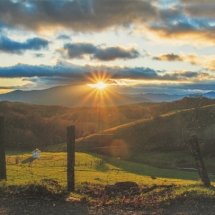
(2, 151)
(199, 160)
(71, 158)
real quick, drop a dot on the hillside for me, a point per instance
(28, 126)
(165, 133)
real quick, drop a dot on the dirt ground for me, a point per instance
(34, 206)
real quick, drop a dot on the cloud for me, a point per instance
(8, 87)
(138, 79)
(184, 31)
(180, 24)
(14, 47)
(185, 75)
(64, 37)
(199, 8)
(113, 53)
(38, 55)
(75, 72)
(82, 16)
(168, 57)
(205, 61)
(184, 20)
(78, 50)
(72, 72)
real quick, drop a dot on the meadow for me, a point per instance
(159, 188)
(94, 168)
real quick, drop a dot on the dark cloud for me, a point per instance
(80, 73)
(181, 75)
(11, 46)
(135, 73)
(75, 72)
(38, 55)
(182, 23)
(206, 62)
(113, 53)
(77, 50)
(83, 16)
(199, 8)
(186, 20)
(64, 37)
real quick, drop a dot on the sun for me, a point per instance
(100, 85)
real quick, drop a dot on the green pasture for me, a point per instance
(93, 168)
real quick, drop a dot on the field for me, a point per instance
(164, 190)
(94, 168)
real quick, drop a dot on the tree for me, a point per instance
(199, 160)
(196, 100)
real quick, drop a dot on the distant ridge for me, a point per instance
(72, 96)
(80, 95)
(210, 95)
(158, 97)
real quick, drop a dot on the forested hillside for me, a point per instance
(28, 126)
(162, 133)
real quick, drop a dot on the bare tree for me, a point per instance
(194, 143)
(196, 100)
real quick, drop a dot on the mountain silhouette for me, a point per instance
(76, 95)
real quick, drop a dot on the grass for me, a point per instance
(93, 168)
(92, 172)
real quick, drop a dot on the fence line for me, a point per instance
(55, 168)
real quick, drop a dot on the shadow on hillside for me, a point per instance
(28, 160)
(101, 166)
(146, 170)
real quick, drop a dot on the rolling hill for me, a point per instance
(164, 133)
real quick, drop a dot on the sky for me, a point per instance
(134, 46)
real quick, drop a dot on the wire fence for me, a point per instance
(89, 168)
(23, 168)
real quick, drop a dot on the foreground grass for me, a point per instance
(95, 195)
(93, 172)
(91, 168)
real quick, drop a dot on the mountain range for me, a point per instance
(77, 95)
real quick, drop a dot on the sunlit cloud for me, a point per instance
(205, 61)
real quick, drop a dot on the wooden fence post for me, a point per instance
(199, 160)
(71, 158)
(2, 151)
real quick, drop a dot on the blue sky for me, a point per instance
(137, 46)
